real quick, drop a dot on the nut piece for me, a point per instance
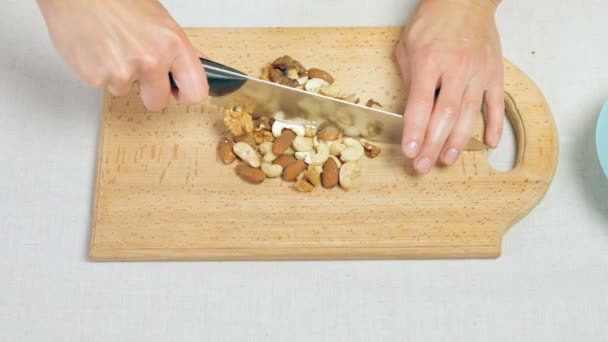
(281, 143)
(313, 176)
(371, 102)
(310, 131)
(330, 90)
(371, 151)
(278, 126)
(329, 177)
(246, 138)
(293, 170)
(290, 151)
(322, 74)
(238, 121)
(321, 156)
(329, 134)
(250, 174)
(302, 144)
(338, 162)
(224, 151)
(353, 152)
(336, 147)
(269, 157)
(302, 185)
(284, 160)
(272, 170)
(247, 154)
(314, 84)
(262, 135)
(265, 148)
(348, 173)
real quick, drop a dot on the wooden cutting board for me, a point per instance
(161, 194)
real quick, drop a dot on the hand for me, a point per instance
(452, 45)
(117, 43)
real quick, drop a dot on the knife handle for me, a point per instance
(222, 79)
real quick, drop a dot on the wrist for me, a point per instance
(486, 4)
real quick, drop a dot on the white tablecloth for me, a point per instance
(549, 284)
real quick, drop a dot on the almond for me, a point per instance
(283, 142)
(225, 152)
(293, 170)
(303, 185)
(284, 160)
(246, 138)
(250, 174)
(329, 134)
(322, 74)
(329, 177)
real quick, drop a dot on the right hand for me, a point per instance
(117, 43)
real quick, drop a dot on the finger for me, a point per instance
(121, 84)
(189, 76)
(420, 100)
(154, 90)
(495, 103)
(470, 109)
(442, 121)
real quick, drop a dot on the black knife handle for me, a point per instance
(222, 79)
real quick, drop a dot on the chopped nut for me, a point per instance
(371, 151)
(238, 121)
(330, 90)
(313, 176)
(303, 185)
(278, 126)
(371, 102)
(262, 136)
(284, 70)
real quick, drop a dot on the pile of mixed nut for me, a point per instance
(308, 156)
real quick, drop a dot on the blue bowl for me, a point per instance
(601, 138)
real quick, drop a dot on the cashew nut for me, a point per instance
(279, 126)
(272, 170)
(247, 154)
(302, 80)
(314, 84)
(310, 130)
(321, 156)
(315, 158)
(330, 90)
(336, 147)
(289, 151)
(302, 144)
(348, 173)
(353, 152)
(265, 147)
(269, 157)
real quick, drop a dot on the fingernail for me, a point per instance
(451, 155)
(411, 149)
(423, 165)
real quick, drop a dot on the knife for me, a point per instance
(229, 87)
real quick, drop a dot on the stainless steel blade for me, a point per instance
(298, 106)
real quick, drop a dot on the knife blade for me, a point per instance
(229, 87)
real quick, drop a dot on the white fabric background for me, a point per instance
(549, 285)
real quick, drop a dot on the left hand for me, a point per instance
(452, 45)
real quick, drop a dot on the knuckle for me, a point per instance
(449, 112)
(177, 39)
(148, 63)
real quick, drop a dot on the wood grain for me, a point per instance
(161, 194)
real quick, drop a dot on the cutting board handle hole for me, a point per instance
(504, 156)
